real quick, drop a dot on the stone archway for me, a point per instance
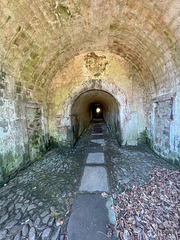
(110, 88)
(82, 113)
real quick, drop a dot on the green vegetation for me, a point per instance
(18, 87)
(142, 137)
(53, 142)
(2, 75)
(113, 26)
(7, 20)
(64, 10)
(7, 163)
(173, 45)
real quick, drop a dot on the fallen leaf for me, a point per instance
(105, 195)
(61, 223)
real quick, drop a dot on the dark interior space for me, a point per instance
(97, 111)
(95, 105)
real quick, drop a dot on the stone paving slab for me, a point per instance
(88, 219)
(98, 141)
(97, 131)
(95, 158)
(97, 137)
(97, 134)
(94, 179)
(95, 149)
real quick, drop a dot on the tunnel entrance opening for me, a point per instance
(92, 106)
(97, 112)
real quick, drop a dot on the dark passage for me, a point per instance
(97, 111)
(95, 106)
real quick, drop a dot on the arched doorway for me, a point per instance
(71, 124)
(91, 106)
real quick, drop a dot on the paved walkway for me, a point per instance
(91, 212)
(37, 203)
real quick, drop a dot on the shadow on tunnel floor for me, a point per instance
(97, 120)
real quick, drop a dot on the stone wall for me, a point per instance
(164, 138)
(22, 131)
(112, 119)
(111, 74)
(162, 120)
(35, 130)
(11, 137)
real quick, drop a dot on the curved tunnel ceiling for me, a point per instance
(39, 37)
(83, 102)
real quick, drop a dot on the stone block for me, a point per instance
(94, 179)
(95, 158)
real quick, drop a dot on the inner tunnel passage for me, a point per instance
(97, 111)
(95, 105)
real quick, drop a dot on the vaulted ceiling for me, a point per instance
(37, 38)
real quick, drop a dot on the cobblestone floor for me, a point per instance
(36, 204)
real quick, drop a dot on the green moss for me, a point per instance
(18, 29)
(53, 142)
(18, 87)
(2, 76)
(12, 39)
(113, 26)
(173, 45)
(167, 35)
(10, 162)
(1, 170)
(35, 53)
(142, 139)
(7, 20)
(7, 163)
(64, 10)
(35, 56)
(35, 146)
(1, 160)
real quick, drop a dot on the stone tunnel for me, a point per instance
(61, 59)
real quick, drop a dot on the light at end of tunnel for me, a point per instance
(98, 110)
